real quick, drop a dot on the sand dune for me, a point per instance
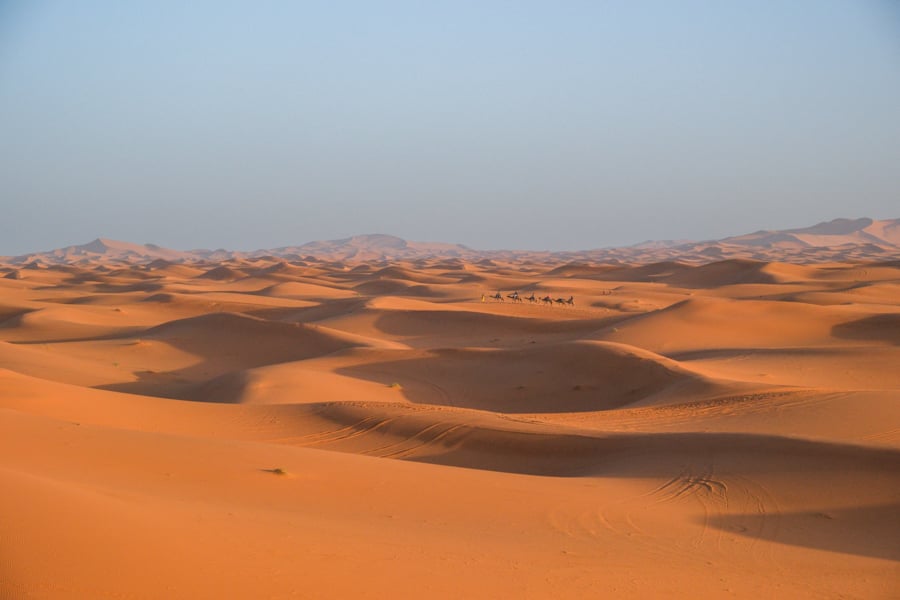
(217, 343)
(69, 322)
(398, 288)
(222, 273)
(732, 272)
(724, 323)
(568, 377)
(213, 424)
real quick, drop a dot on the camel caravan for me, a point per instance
(546, 300)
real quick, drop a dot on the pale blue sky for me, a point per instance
(544, 125)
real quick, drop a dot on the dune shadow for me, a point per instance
(194, 384)
(225, 345)
(541, 449)
(327, 309)
(393, 287)
(656, 455)
(721, 353)
(453, 323)
(115, 288)
(877, 328)
(565, 377)
(120, 334)
(11, 317)
(872, 531)
(180, 384)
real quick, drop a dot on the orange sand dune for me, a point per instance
(567, 377)
(700, 323)
(296, 426)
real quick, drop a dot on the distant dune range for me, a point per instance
(360, 418)
(838, 240)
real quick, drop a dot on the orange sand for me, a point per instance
(271, 428)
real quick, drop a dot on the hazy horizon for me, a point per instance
(494, 125)
(435, 241)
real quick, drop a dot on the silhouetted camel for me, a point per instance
(514, 296)
(531, 298)
(547, 300)
(571, 301)
(498, 296)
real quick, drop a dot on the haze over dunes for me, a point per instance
(359, 418)
(836, 240)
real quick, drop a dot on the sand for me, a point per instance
(274, 427)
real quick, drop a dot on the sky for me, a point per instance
(493, 123)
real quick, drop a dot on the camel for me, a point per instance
(571, 301)
(531, 298)
(547, 300)
(498, 297)
(514, 296)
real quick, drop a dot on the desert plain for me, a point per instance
(311, 426)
